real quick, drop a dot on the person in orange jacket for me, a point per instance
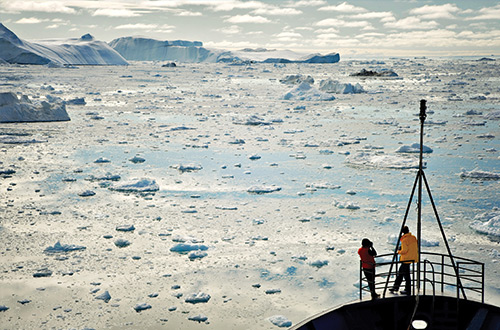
(367, 255)
(408, 254)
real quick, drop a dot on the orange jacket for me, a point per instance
(409, 248)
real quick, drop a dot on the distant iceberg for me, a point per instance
(147, 49)
(77, 51)
(305, 92)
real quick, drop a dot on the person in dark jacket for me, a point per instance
(367, 255)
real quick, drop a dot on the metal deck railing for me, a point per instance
(437, 272)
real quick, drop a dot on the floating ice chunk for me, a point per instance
(414, 148)
(102, 160)
(180, 128)
(253, 120)
(319, 263)
(382, 161)
(305, 92)
(140, 307)
(198, 318)
(137, 159)
(226, 208)
(254, 157)
(273, 291)
(322, 185)
(263, 190)
(44, 272)
(105, 177)
(137, 185)
(280, 321)
(105, 296)
(197, 255)
(346, 205)
(125, 228)
(86, 193)
(196, 298)
(487, 223)
(3, 308)
(480, 175)
(428, 243)
(294, 79)
(63, 248)
(187, 247)
(186, 167)
(333, 86)
(121, 243)
(14, 109)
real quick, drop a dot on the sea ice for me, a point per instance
(480, 175)
(187, 167)
(187, 247)
(280, 321)
(140, 307)
(63, 248)
(198, 318)
(137, 185)
(196, 298)
(487, 223)
(105, 296)
(14, 109)
(334, 86)
(121, 243)
(305, 92)
(263, 189)
(382, 161)
(414, 148)
(3, 308)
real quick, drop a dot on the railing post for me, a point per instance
(360, 280)
(482, 283)
(442, 273)
(458, 281)
(425, 275)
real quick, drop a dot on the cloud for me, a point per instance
(276, 11)
(233, 29)
(247, 19)
(487, 14)
(187, 13)
(36, 6)
(344, 7)
(329, 30)
(383, 15)
(411, 23)
(29, 20)
(115, 12)
(231, 5)
(288, 35)
(141, 26)
(435, 12)
(231, 44)
(334, 22)
(307, 3)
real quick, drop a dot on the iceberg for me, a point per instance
(57, 52)
(333, 86)
(305, 92)
(138, 185)
(16, 110)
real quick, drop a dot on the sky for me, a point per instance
(351, 28)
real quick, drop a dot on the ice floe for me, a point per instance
(105, 296)
(334, 86)
(382, 161)
(137, 185)
(188, 247)
(187, 167)
(258, 190)
(305, 92)
(280, 321)
(141, 307)
(196, 298)
(414, 148)
(479, 175)
(63, 248)
(487, 223)
(14, 109)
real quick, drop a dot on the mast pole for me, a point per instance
(422, 116)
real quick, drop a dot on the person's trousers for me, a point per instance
(370, 278)
(404, 273)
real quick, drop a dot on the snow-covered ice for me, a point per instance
(276, 235)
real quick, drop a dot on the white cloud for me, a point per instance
(344, 7)
(231, 44)
(141, 26)
(411, 23)
(288, 35)
(329, 30)
(36, 6)
(233, 29)
(187, 13)
(307, 3)
(53, 26)
(276, 11)
(342, 23)
(233, 4)
(487, 13)
(374, 14)
(29, 20)
(247, 19)
(115, 12)
(435, 12)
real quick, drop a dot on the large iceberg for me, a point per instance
(147, 49)
(14, 109)
(77, 51)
